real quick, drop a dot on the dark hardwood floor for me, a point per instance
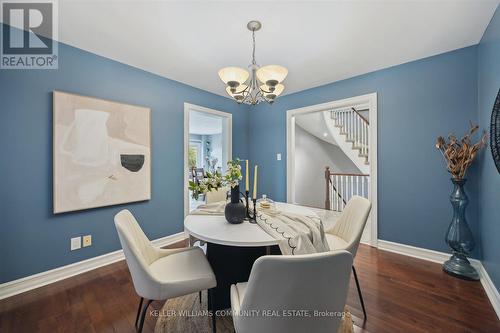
(402, 294)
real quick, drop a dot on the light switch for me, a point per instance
(87, 240)
(278, 157)
(76, 243)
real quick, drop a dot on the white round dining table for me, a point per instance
(232, 248)
(215, 229)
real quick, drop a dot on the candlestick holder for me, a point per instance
(251, 217)
(254, 217)
(247, 214)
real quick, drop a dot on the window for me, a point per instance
(194, 157)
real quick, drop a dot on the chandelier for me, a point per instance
(261, 84)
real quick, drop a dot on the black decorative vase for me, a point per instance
(235, 210)
(459, 236)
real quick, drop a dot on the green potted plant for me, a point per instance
(235, 209)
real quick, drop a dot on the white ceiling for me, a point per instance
(318, 42)
(314, 123)
(204, 124)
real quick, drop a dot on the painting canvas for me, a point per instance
(102, 152)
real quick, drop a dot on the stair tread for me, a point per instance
(356, 145)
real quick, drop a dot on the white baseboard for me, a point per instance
(440, 258)
(21, 285)
(412, 251)
(490, 289)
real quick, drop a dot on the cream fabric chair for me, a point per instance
(313, 282)
(347, 232)
(216, 196)
(160, 274)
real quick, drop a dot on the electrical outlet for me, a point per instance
(87, 240)
(278, 157)
(76, 243)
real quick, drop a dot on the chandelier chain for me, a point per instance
(253, 53)
(252, 89)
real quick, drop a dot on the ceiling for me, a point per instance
(314, 123)
(204, 124)
(318, 42)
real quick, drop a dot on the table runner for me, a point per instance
(296, 233)
(215, 208)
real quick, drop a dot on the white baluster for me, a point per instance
(331, 193)
(360, 126)
(341, 192)
(344, 118)
(357, 185)
(351, 113)
(355, 120)
(367, 138)
(346, 127)
(336, 192)
(351, 118)
(351, 186)
(364, 138)
(363, 187)
(344, 195)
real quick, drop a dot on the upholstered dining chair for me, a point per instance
(346, 233)
(160, 274)
(216, 196)
(279, 285)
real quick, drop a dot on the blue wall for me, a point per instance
(32, 239)
(489, 181)
(417, 102)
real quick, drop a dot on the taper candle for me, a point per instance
(255, 183)
(247, 183)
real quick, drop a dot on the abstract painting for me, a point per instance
(102, 152)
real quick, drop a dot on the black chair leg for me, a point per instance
(211, 307)
(143, 315)
(359, 291)
(138, 311)
(199, 294)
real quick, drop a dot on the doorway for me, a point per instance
(207, 146)
(349, 130)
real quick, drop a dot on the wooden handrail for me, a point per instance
(349, 174)
(330, 185)
(360, 116)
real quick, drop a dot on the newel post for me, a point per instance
(327, 187)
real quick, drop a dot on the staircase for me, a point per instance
(352, 132)
(341, 187)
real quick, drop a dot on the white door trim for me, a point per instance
(227, 124)
(371, 100)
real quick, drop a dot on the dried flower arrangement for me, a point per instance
(459, 154)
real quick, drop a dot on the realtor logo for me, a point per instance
(28, 33)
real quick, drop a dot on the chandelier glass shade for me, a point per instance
(233, 75)
(260, 84)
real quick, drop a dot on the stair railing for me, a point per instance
(341, 187)
(355, 127)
